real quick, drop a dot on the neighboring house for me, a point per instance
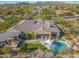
(61, 11)
(34, 12)
(45, 7)
(42, 8)
(1, 20)
(11, 38)
(42, 29)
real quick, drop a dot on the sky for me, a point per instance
(13, 2)
(73, 2)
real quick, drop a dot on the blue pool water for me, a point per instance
(58, 46)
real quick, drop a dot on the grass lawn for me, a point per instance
(32, 46)
(37, 46)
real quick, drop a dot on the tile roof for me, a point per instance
(7, 35)
(33, 26)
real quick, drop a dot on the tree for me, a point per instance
(33, 36)
(30, 36)
(23, 48)
(27, 35)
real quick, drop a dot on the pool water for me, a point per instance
(59, 46)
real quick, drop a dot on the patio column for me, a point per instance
(46, 37)
(42, 37)
(57, 35)
(49, 36)
(35, 35)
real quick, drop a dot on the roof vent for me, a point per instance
(51, 25)
(30, 18)
(36, 22)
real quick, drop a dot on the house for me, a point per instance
(12, 39)
(42, 29)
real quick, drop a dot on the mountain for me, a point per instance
(57, 3)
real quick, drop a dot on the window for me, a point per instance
(52, 26)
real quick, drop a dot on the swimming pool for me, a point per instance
(59, 46)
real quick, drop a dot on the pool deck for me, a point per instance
(47, 43)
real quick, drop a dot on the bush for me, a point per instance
(66, 33)
(6, 50)
(74, 31)
(1, 52)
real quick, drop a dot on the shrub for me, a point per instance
(23, 48)
(6, 50)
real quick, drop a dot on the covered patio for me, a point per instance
(43, 35)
